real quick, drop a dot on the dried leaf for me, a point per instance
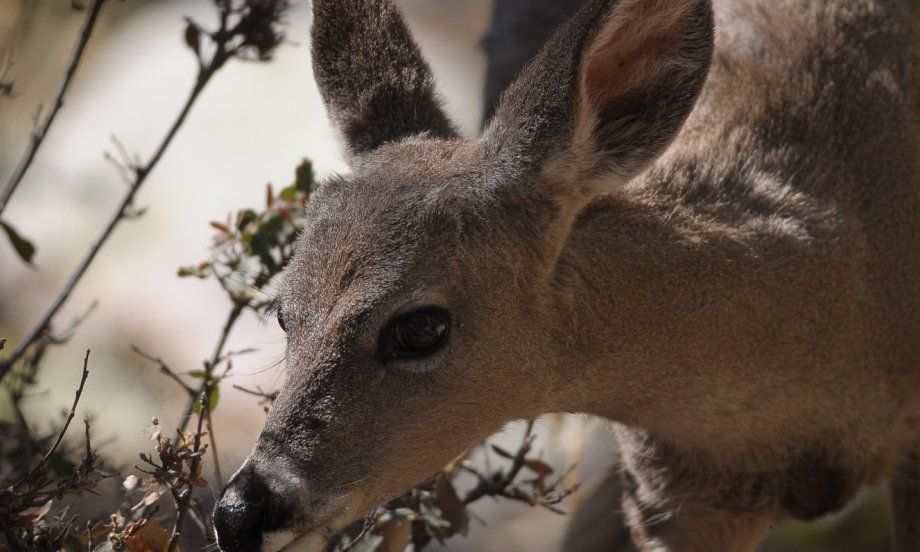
(538, 467)
(452, 507)
(30, 515)
(220, 226)
(152, 537)
(149, 499)
(397, 534)
(502, 452)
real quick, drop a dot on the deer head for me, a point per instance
(420, 308)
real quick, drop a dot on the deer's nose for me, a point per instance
(241, 512)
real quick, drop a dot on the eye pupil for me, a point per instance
(419, 333)
(415, 334)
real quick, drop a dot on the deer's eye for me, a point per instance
(415, 334)
(274, 307)
(280, 316)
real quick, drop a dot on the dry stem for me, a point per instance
(185, 500)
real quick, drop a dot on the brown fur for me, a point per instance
(746, 309)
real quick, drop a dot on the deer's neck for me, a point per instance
(687, 323)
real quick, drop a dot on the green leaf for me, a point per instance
(368, 544)
(198, 374)
(304, 177)
(23, 247)
(244, 217)
(213, 399)
(289, 194)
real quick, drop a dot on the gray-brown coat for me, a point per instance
(729, 271)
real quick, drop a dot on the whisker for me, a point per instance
(271, 366)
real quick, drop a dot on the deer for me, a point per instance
(698, 220)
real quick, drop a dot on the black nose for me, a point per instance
(240, 515)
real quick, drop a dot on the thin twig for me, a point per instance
(269, 396)
(164, 368)
(369, 521)
(68, 333)
(232, 318)
(499, 484)
(73, 411)
(185, 500)
(89, 447)
(39, 135)
(240, 352)
(141, 174)
(214, 454)
(6, 88)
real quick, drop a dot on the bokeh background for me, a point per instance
(253, 125)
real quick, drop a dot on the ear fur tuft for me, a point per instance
(371, 75)
(610, 90)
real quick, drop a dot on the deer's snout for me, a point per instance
(241, 513)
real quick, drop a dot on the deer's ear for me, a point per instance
(609, 91)
(371, 75)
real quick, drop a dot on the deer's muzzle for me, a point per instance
(253, 514)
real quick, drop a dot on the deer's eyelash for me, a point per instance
(272, 308)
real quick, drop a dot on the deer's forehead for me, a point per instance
(368, 244)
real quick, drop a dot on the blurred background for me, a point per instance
(253, 125)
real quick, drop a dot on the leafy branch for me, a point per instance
(436, 510)
(247, 30)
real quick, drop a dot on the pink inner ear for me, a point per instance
(625, 59)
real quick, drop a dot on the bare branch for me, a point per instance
(6, 87)
(369, 521)
(214, 455)
(267, 396)
(219, 58)
(209, 365)
(69, 332)
(73, 411)
(39, 135)
(164, 368)
(497, 484)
